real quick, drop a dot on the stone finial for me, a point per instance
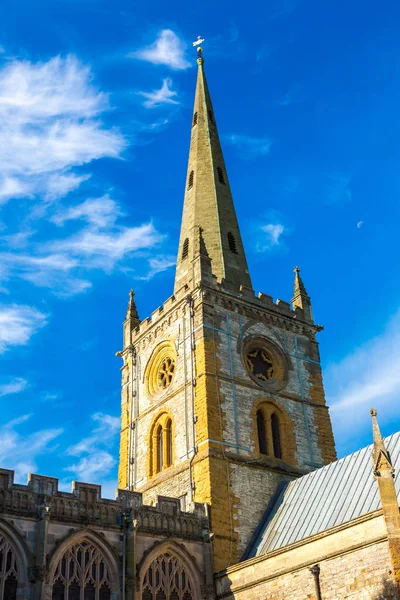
(381, 460)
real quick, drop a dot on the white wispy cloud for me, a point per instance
(249, 146)
(158, 265)
(100, 212)
(20, 452)
(98, 242)
(367, 377)
(49, 124)
(272, 236)
(165, 95)
(168, 49)
(13, 386)
(18, 323)
(93, 451)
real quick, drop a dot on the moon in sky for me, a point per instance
(360, 224)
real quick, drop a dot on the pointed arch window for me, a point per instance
(161, 444)
(276, 436)
(191, 180)
(185, 249)
(232, 243)
(195, 119)
(270, 431)
(221, 177)
(167, 579)
(160, 448)
(8, 570)
(81, 572)
(262, 434)
(168, 443)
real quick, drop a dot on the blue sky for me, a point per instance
(95, 110)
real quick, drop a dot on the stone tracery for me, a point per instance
(81, 574)
(8, 569)
(166, 579)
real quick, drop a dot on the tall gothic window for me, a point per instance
(161, 444)
(276, 437)
(82, 574)
(166, 579)
(262, 434)
(8, 570)
(160, 448)
(191, 179)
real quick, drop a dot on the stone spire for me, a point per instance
(208, 201)
(300, 297)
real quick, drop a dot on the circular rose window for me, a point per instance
(166, 372)
(265, 362)
(161, 368)
(260, 363)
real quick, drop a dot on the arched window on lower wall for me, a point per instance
(81, 573)
(8, 570)
(166, 579)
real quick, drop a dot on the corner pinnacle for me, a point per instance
(381, 460)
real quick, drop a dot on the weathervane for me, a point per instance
(199, 41)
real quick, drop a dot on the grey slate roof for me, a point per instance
(339, 492)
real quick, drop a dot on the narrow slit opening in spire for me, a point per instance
(232, 243)
(195, 119)
(185, 249)
(210, 116)
(221, 177)
(191, 179)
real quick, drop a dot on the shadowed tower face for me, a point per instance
(222, 393)
(208, 201)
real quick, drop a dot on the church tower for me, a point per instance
(222, 393)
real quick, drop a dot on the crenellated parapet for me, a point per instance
(84, 504)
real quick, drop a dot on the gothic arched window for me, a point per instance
(191, 179)
(166, 579)
(168, 443)
(161, 444)
(8, 570)
(160, 448)
(276, 436)
(272, 431)
(81, 572)
(262, 434)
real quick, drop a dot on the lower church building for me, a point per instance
(229, 486)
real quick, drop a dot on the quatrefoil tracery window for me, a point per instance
(82, 574)
(8, 570)
(260, 364)
(166, 579)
